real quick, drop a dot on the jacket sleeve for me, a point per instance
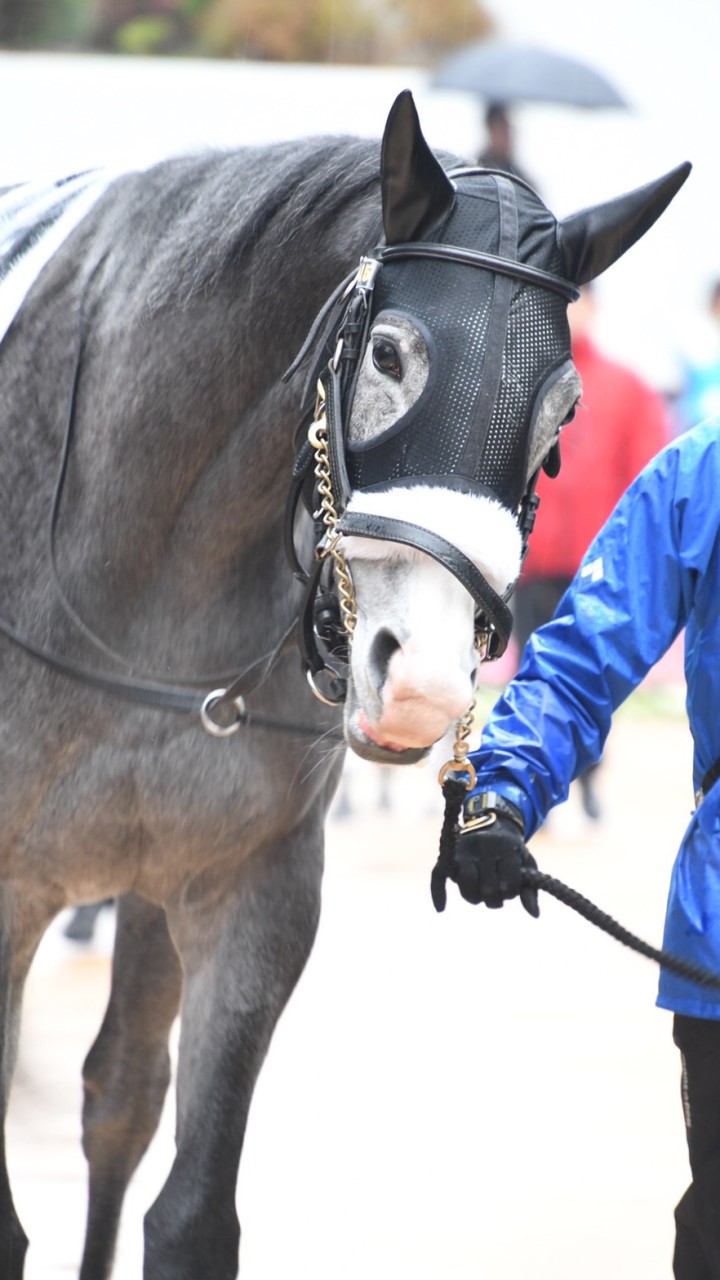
(627, 603)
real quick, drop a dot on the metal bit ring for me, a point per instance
(210, 726)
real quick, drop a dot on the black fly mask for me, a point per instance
(482, 271)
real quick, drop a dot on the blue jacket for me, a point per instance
(653, 569)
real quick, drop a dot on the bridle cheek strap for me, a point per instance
(494, 616)
(335, 439)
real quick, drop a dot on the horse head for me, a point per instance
(450, 381)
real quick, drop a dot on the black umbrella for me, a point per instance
(510, 73)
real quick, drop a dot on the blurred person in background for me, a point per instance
(498, 152)
(652, 570)
(620, 424)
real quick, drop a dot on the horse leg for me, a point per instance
(23, 920)
(127, 1071)
(244, 943)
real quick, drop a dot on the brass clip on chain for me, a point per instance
(460, 764)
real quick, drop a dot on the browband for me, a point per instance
(476, 258)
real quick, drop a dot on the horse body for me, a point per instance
(147, 445)
(169, 546)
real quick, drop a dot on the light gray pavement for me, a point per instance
(476, 1096)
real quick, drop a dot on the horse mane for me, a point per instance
(216, 210)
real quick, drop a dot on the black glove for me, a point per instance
(488, 863)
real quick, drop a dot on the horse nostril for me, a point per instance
(384, 645)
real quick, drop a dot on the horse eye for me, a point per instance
(569, 416)
(386, 358)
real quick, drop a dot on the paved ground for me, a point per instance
(469, 1096)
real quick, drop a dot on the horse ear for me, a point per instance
(595, 238)
(416, 191)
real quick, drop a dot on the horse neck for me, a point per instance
(172, 512)
(182, 440)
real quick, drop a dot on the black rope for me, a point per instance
(571, 898)
(454, 790)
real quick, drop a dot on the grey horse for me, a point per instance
(148, 446)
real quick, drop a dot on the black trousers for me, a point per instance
(697, 1216)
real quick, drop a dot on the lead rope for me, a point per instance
(571, 898)
(456, 778)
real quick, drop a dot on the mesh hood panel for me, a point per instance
(494, 341)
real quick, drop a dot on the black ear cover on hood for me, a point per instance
(416, 191)
(590, 241)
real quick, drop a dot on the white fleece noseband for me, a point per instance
(480, 527)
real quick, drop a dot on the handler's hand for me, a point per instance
(489, 862)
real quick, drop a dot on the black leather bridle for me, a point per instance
(344, 324)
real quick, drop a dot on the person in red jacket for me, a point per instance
(620, 424)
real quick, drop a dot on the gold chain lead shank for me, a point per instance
(317, 435)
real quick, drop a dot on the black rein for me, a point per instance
(188, 698)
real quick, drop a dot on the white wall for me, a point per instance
(59, 113)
